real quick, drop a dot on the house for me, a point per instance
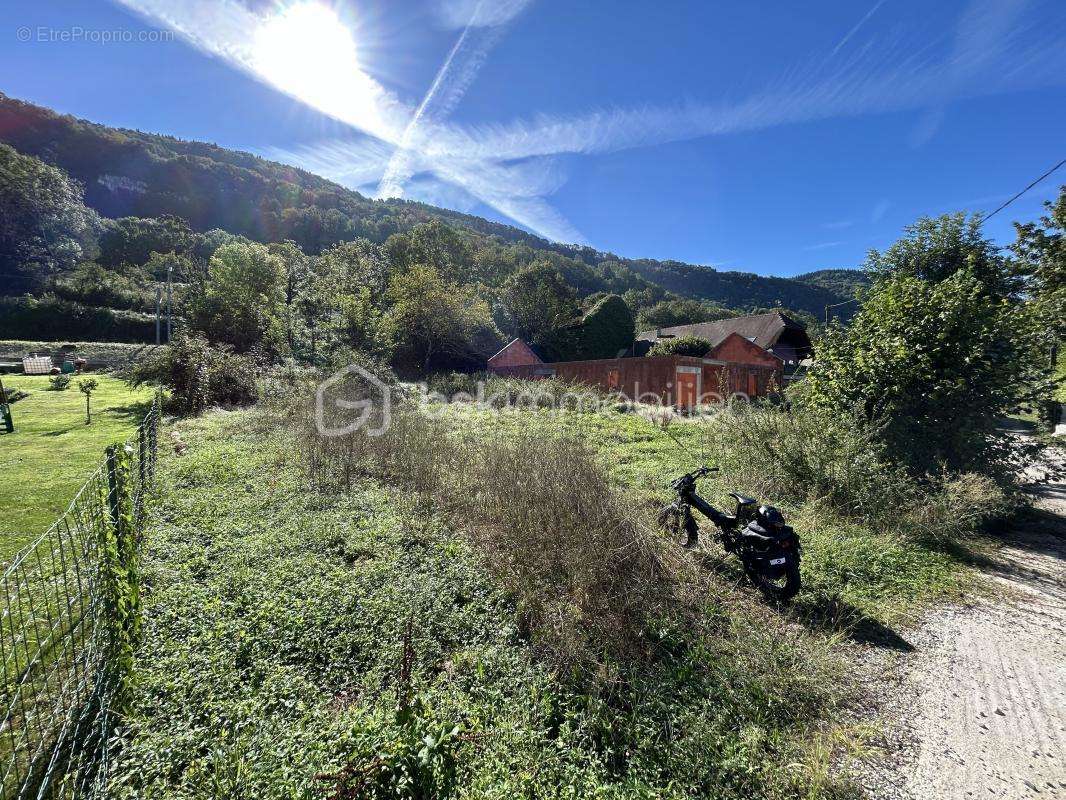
(775, 332)
(735, 366)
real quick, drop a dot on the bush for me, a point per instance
(198, 374)
(14, 394)
(803, 453)
(681, 346)
(940, 351)
(59, 383)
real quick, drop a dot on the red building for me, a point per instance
(734, 366)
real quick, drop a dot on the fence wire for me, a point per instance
(70, 601)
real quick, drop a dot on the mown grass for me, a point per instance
(358, 637)
(52, 451)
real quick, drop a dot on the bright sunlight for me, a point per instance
(307, 51)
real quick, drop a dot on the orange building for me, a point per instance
(734, 366)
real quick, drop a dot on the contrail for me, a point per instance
(455, 76)
(855, 29)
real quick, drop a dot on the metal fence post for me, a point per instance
(71, 609)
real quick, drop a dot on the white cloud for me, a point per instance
(823, 246)
(478, 13)
(510, 166)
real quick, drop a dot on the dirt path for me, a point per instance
(978, 708)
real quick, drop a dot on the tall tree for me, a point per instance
(242, 300)
(133, 240)
(538, 300)
(939, 351)
(1041, 257)
(435, 320)
(935, 248)
(45, 228)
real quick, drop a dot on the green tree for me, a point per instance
(297, 265)
(933, 364)
(242, 301)
(603, 332)
(433, 244)
(87, 387)
(45, 228)
(1040, 249)
(933, 249)
(681, 346)
(361, 324)
(538, 300)
(679, 311)
(434, 320)
(133, 240)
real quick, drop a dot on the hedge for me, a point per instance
(50, 318)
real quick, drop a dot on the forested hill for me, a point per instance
(130, 173)
(845, 282)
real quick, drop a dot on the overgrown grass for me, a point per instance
(53, 451)
(293, 632)
(877, 548)
(476, 604)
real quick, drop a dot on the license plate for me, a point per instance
(776, 562)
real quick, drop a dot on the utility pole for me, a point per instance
(170, 310)
(158, 311)
(836, 305)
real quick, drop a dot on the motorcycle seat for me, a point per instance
(743, 500)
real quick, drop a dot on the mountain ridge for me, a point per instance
(126, 172)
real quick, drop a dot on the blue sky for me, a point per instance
(773, 137)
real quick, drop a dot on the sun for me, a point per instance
(307, 51)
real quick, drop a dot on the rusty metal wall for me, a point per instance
(651, 379)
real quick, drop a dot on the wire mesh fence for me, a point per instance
(70, 605)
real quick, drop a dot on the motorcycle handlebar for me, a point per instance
(692, 476)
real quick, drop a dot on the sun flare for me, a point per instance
(307, 51)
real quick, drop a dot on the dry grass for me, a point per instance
(588, 572)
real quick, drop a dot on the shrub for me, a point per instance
(59, 383)
(939, 352)
(801, 453)
(198, 374)
(51, 318)
(13, 394)
(681, 346)
(450, 384)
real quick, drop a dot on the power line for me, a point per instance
(1026, 189)
(836, 305)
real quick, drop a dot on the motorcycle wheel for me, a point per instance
(672, 524)
(781, 589)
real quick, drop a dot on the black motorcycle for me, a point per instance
(768, 548)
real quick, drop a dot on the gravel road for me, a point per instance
(977, 709)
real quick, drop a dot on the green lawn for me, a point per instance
(53, 451)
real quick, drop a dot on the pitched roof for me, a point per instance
(534, 349)
(762, 329)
